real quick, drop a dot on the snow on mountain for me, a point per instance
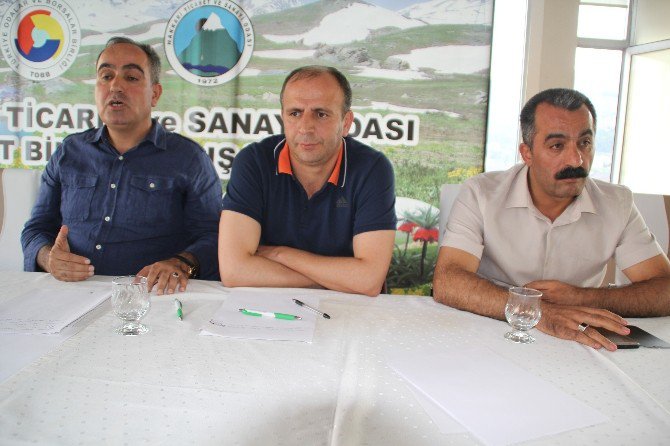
(349, 24)
(452, 12)
(213, 23)
(464, 59)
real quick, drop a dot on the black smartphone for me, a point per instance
(646, 339)
(620, 341)
(637, 337)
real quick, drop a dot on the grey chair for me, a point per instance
(18, 192)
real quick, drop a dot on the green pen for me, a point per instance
(177, 305)
(289, 317)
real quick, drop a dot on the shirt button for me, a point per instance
(113, 186)
(121, 158)
(107, 218)
(152, 185)
(98, 247)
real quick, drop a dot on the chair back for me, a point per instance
(18, 192)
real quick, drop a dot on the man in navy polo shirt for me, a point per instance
(313, 207)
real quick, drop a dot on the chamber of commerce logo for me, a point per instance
(209, 42)
(39, 39)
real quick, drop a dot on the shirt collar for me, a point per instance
(156, 136)
(519, 196)
(337, 176)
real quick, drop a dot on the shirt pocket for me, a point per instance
(153, 200)
(76, 196)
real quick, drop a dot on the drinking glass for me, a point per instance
(130, 302)
(523, 312)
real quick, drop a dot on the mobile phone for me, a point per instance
(646, 339)
(620, 341)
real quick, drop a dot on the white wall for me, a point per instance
(551, 45)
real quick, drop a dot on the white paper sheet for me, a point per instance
(17, 350)
(229, 322)
(48, 311)
(499, 402)
(444, 422)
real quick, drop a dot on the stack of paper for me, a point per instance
(49, 311)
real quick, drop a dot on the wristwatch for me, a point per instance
(193, 268)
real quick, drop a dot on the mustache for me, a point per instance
(572, 172)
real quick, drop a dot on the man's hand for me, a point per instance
(564, 322)
(166, 275)
(558, 292)
(61, 263)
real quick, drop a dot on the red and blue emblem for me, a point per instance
(39, 36)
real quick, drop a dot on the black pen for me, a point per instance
(302, 304)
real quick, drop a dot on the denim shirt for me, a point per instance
(125, 212)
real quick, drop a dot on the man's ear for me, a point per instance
(348, 120)
(526, 153)
(157, 90)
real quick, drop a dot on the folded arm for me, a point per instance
(244, 263)
(456, 284)
(364, 273)
(239, 236)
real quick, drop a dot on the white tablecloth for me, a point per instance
(174, 386)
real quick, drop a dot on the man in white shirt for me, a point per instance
(546, 225)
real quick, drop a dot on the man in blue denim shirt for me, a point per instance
(130, 197)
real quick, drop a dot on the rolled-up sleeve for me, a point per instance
(465, 226)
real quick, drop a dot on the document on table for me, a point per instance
(497, 401)
(228, 321)
(48, 311)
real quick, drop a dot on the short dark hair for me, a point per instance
(559, 97)
(154, 60)
(310, 71)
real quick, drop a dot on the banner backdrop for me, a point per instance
(419, 72)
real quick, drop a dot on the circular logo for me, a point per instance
(40, 41)
(209, 42)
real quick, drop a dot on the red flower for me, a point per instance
(426, 235)
(407, 227)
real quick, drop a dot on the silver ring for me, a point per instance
(582, 327)
(175, 275)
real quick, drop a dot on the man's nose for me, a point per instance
(575, 158)
(306, 123)
(116, 84)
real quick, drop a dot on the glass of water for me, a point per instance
(130, 302)
(523, 312)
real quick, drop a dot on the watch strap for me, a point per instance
(192, 267)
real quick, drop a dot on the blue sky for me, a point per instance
(394, 4)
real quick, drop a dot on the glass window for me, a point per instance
(651, 21)
(603, 22)
(646, 155)
(597, 74)
(507, 75)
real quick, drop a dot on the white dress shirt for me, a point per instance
(494, 219)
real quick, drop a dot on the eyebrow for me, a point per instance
(130, 66)
(587, 132)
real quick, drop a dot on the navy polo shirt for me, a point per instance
(361, 200)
